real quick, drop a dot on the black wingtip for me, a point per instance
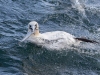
(86, 40)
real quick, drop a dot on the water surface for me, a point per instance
(78, 17)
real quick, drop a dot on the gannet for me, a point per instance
(51, 40)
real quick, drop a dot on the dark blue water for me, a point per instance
(78, 17)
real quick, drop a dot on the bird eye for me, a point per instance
(30, 27)
(35, 24)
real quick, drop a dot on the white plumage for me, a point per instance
(50, 40)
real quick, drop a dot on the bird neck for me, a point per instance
(36, 33)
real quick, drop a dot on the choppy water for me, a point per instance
(78, 17)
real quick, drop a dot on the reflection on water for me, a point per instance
(79, 17)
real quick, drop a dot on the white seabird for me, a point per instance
(51, 40)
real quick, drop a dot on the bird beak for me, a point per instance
(27, 36)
